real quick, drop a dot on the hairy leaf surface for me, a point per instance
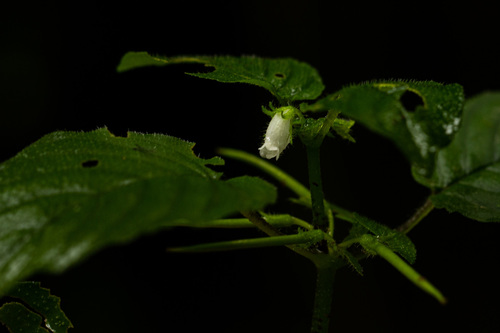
(395, 240)
(72, 193)
(287, 79)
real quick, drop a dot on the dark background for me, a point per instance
(57, 72)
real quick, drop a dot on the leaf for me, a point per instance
(418, 133)
(467, 172)
(352, 261)
(475, 146)
(476, 196)
(19, 319)
(343, 127)
(43, 304)
(287, 79)
(395, 240)
(73, 193)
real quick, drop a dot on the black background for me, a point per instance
(57, 72)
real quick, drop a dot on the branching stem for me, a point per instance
(262, 224)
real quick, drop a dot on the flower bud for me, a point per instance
(278, 135)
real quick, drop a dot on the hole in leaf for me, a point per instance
(279, 75)
(90, 164)
(411, 101)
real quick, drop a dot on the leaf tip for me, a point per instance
(133, 59)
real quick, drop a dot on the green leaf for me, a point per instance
(287, 79)
(419, 133)
(43, 304)
(476, 196)
(395, 240)
(19, 319)
(73, 193)
(475, 146)
(343, 128)
(351, 260)
(467, 172)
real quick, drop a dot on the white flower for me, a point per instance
(278, 136)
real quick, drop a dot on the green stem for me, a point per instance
(313, 145)
(262, 224)
(267, 167)
(371, 243)
(277, 221)
(285, 220)
(312, 236)
(325, 265)
(316, 186)
(419, 215)
(329, 120)
(326, 269)
(279, 175)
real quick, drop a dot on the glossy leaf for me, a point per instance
(419, 131)
(72, 193)
(467, 172)
(476, 196)
(476, 145)
(287, 79)
(395, 240)
(40, 301)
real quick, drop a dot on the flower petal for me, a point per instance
(278, 136)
